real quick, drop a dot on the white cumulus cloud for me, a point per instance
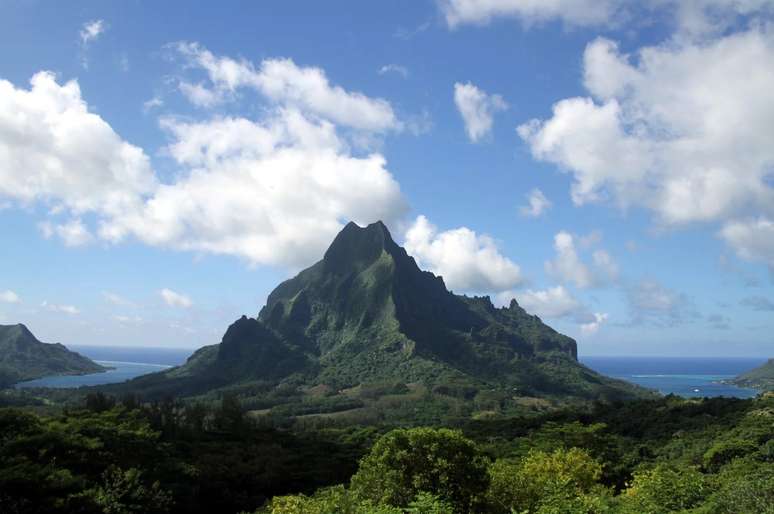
(175, 299)
(284, 82)
(681, 129)
(567, 267)
(199, 94)
(273, 190)
(52, 149)
(554, 302)
(477, 109)
(537, 204)
(752, 239)
(9, 296)
(72, 233)
(467, 261)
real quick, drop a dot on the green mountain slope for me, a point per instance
(366, 314)
(761, 377)
(23, 357)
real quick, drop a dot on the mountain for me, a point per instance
(761, 377)
(367, 318)
(23, 357)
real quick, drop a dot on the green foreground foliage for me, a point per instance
(671, 455)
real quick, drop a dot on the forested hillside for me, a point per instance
(24, 357)
(657, 456)
(761, 377)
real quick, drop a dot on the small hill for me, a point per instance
(23, 357)
(761, 377)
(366, 322)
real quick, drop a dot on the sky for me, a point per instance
(608, 163)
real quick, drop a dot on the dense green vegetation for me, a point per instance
(365, 335)
(671, 455)
(648, 456)
(23, 357)
(161, 457)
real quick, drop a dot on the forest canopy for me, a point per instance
(121, 456)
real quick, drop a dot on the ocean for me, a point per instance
(126, 363)
(691, 377)
(684, 376)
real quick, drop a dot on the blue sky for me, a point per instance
(163, 165)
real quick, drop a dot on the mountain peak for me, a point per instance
(374, 232)
(19, 330)
(371, 227)
(356, 246)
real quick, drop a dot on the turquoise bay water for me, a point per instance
(127, 363)
(121, 372)
(689, 377)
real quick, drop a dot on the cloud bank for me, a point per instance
(273, 190)
(467, 261)
(681, 129)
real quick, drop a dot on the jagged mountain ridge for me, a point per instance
(367, 313)
(24, 357)
(368, 293)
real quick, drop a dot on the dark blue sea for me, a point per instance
(691, 377)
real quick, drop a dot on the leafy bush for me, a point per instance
(723, 452)
(665, 489)
(743, 487)
(324, 501)
(405, 462)
(544, 482)
(426, 503)
(123, 492)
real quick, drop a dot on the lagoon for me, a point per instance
(690, 377)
